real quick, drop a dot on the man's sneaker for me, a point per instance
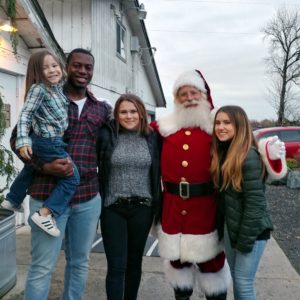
(46, 223)
(8, 205)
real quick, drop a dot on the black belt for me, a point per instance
(186, 190)
(133, 201)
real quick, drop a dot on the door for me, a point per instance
(9, 91)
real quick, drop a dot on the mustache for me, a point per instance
(192, 102)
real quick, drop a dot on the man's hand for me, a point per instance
(26, 152)
(276, 148)
(61, 167)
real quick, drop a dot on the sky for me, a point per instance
(222, 39)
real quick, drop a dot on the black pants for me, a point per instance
(124, 230)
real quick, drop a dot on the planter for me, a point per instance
(8, 277)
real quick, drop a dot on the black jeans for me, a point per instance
(124, 230)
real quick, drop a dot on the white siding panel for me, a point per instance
(112, 74)
(57, 20)
(66, 42)
(76, 29)
(70, 22)
(86, 25)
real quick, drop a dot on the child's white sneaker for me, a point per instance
(8, 205)
(47, 223)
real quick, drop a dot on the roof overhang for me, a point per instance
(34, 29)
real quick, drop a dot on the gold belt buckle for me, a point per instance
(184, 189)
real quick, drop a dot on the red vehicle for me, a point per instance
(289, 135)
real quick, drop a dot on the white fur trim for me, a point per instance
(168, 125)
(273, 174)
(214, 283)
(187, 118)
(191, 78)
(189, 247)
(168, 245)
(199, 248)
(180, 278)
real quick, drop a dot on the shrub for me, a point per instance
(293, 163)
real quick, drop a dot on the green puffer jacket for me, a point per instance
(245, 212)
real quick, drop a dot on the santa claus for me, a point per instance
(188, 239)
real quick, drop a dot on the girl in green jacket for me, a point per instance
(238, 174)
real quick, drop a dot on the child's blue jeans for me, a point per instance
(47, 149)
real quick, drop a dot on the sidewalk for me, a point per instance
(276, 278)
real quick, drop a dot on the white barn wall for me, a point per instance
(114, 76)
(112, 73)
(70, 21)
(145, 91)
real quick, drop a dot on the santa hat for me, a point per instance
(193, 78)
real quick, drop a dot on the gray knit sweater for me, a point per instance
(130, 168)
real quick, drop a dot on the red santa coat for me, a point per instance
(187, 230)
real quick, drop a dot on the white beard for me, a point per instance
(187, 117)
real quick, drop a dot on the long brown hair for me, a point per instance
(35, 68)
(230, 168)
(144, 127)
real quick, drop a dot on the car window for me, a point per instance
(271, 133)
(290, 135)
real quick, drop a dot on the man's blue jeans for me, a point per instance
(243, 267)
(47, 149)
(79, 222)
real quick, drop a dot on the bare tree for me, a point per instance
(283, 63)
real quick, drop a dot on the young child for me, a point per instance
(45, 112)
(238, 174)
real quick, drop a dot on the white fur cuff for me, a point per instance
(215, 283)
(277, 169)
(179, 278)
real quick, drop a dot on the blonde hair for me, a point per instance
(35, 73)
(229, 168)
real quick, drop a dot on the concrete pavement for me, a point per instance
(276, 278)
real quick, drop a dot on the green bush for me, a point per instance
(293, 163)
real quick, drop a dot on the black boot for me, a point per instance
(217, 297)
(182, 294)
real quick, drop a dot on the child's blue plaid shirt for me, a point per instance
(45, 111)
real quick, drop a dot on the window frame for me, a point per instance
(120, 40)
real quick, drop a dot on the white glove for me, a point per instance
(275, 148)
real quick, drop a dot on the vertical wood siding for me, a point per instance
(113, 74)
(70, 21)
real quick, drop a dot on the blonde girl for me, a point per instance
(40, 129)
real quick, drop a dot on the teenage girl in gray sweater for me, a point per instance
(128, 152)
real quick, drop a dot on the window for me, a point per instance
(268, 134)
(121, 40)
(290, 135)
